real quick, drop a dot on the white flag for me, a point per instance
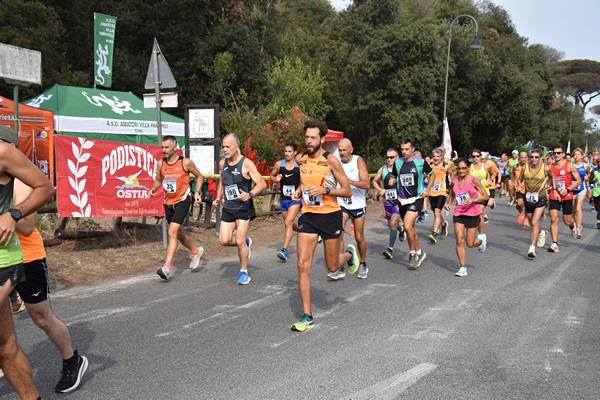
(569, 147)
(446, 141)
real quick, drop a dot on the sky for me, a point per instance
(572, 27)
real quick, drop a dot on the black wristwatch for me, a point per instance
(251, 195)
(327, 190)
(15, 214)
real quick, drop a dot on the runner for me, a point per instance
(35, 290)
(237, 175)
(469, 193)
(321, 214)
(565, 178)
(354, 208)
(173, 174)
(493, 180)
(437, 192)
(409, 171)
(389, 193)
(533, 178)
(518, 189)
(287, 174)
(581, 191)
(479, 170)
(504, 174)
(14, 164)
(595, 183)
(512, 163)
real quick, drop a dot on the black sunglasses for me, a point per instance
(476, 155)
(558, 152)
(535, 156)
(389, 158)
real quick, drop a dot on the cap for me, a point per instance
(515, 151)
(8, 134)
(484, 154)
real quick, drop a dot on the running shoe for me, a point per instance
(526, 223)
(20, 306)
(71, 374)
(401, 233)
(597, 224)
(486, 219)
(351, 230)
(306, 322)
(195, 262)
(462, 271)
(541, 240)
(363, 271)
(336, 275)
(243, 278)
(163, 272)
(493, 205)
(574, 232)
(420, 258)
(579, 232)
(389, 253)
(432, 238)
(425, 215)
(353, 262)
(553, 248)
(445, 229)
(531, 252)
(483, 244)
(412, 261)
(282, 255)
(249, 244)
(520, 218)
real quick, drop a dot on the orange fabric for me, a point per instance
(314, 172)
(439, 180)
(518, 187)
(33, 246)
(176, 181)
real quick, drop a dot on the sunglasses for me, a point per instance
(476, 155)
(389, 158)
(558, 152)
(535, 156)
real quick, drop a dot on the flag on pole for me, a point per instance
(569, 147)
(104, 43)
(446, 141)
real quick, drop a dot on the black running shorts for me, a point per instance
(531, 207)
(328, 226)
(437, 202)
(468, 221)
(177, 212)
(14, 273)
(566, 205)
(35, 288)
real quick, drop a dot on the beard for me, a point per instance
(314, 149)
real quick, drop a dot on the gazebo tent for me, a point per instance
(105, 115)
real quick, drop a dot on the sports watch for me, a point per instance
(15, 214)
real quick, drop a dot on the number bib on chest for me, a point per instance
(437, 186)
(560, 186)
(288, 190)
(531, 197)
(170, 186)
(312, 201)
(407, 180)
(391, 194)
(461, 198)
(232, 192)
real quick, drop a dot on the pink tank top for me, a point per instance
(463, 193)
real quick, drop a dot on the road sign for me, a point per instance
(165, 76)
(167, 100)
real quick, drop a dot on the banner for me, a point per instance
(446, 141)
(104, 43)
(97, 178)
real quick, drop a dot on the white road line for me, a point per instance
(391, 388)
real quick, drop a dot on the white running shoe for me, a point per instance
(461, 272)
(541, 240)
(336, 275)
(531, 252)
(195, 259)
(574, 232)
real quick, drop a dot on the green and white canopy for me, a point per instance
(105, 115)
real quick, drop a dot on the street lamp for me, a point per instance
(475, 44)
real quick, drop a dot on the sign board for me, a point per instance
(20, 66)
(204, 158)
(165, 76)
(167, 100)
(201, 122)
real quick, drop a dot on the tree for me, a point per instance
(579, 79)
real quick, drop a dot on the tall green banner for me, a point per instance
(104, 43)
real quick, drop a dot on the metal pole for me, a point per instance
(448, 57)
(159, 126)
(16, 111)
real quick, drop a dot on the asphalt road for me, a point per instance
(512, 329)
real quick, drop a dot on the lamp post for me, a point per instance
(475, 44)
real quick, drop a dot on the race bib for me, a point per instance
(347, 200)
(288, 190)
(232, 192)
(407, 180)
(312, 201)
(560, 186)
(437, 186)
(531, 197)
(391, 194)
(598, 184)
(170, 186)
(461, 198)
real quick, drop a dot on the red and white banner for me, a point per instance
(98, 178)
(447, 141)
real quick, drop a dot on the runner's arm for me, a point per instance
(259, 182)
(157, 180)
(190, 166)
(26, 225)
(340, 176)
(275, 175)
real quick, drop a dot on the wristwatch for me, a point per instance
(15, 214)
(251, 195)
(327, 190)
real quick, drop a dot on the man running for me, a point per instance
(437, 192)
(518, 189)
(173, 174)
(354, 208)
(565, 179)
(504, 174)
(533, 179)
(580, 193)
(321, 214)
(35, 294)
(595, 184)
(14, 164)
(237, 176)
(512, 163)
(389, 193)
(409, 171)
(286, 173)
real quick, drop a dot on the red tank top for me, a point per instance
(563, 179)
